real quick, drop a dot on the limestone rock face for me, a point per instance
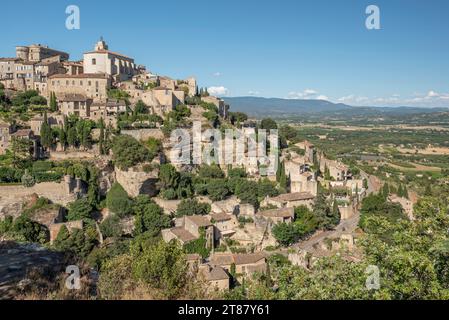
(135, 181)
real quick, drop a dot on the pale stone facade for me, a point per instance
(93, 86)
(116, 65)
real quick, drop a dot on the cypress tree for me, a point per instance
(46, 136)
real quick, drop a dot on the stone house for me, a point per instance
(190, 228)
(75, 104)
(93, 86)
(288, 200)
(7, 68)
(225, 224)
(245, 264)
(216, 277)
(282, 215)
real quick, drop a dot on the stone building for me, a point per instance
(38, 52)
(75, 104)
(190, 228)
(7, 67)
(73, 67)
(282, 215)
(288, 200)
(103, 61)
(245, 264)
(93, 86)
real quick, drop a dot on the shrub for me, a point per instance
(128, 152)
(117, 201)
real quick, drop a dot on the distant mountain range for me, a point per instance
(276, 107)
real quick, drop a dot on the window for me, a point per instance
(94, 62)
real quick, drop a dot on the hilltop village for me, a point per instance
(85, 171)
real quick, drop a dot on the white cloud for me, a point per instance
(253, 93)
(218, 91)
(306, 94)
(217, 74)
(322, 97)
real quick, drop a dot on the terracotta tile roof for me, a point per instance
(215, 273)
(22, 133)
(220, 217)
(182, 234)
(297, 196)
(200, 221)
(9, 59)
(279, 213)
(238, 259)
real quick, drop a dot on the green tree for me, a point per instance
(268, 124)
(286, 233)
(150, 217)
(217, 189)
(189, 207)
(79, 210)
(118, 201)
(46, 134)
(162, 266)
(128, 152)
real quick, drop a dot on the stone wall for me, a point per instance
(136, 181)
(13, 197)
(144, 134)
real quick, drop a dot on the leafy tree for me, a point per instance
(211, 172)
(154, 146)
(150, 218)
(79, 210)
(217, 189)
(21, 152)
(237, 173)
(305, 221)
(190, 207)
(286, 233)
(46, 134)
(141, 108)
(110, 227)
(268, 124)
(163, 267)
(168, 177)
(27, 230)
(128, 152)
(266, 188)
(245, 191)
(118, 201)
(53, 102)
(327, 219)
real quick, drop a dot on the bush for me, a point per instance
(79, 210)
(190, 207)
(27, 230)
(162, 266)
(128, 152)
(111, 227)
(150, 218)
(286, 233)
(217, 189)
(118, 202)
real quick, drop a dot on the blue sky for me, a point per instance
(284, 48)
